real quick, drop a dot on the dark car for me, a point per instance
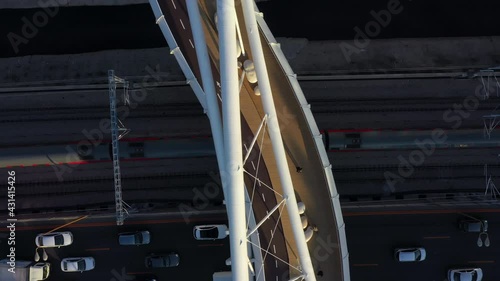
(134, 238)
(162, 260)
(473, 225)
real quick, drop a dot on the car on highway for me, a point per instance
(134, 238)
(473, 225)
(410, 254)
(162, 260)
(465, 274)
(77, 264)
(54, 239)
(210, 232)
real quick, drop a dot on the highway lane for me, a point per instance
(99, 239)
(373, 237)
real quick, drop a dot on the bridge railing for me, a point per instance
(334, 195)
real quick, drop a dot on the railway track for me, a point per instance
(176, 110)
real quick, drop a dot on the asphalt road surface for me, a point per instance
(373, 238)
(98, 239)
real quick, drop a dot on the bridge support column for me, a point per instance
(235, 200)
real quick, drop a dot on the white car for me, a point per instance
(54, 239)
(410, 254)
(210, 232)
(465, 274)
(77, 264)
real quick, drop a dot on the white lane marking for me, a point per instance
(191, 43)
(276, 277)
(245, 146)
(183, 27)
(253, 165)
(274, 249)
(263, 197)
(173, 4)
(258, 180)
(276, 261)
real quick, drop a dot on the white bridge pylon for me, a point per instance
(227, 133)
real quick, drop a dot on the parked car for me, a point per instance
(210, 232)
(465, 274)
(473, 225)
(410, 254)
(77, 264)
(54, 239)
(162, 260)
(134, 238)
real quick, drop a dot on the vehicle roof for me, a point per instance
(127, 238)
(162, 260)
(467, 274)
(71, 263)
(407, 256)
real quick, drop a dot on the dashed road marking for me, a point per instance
(437, 237)
(97, 249)
(481, 262)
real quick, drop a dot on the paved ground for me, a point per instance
(99, 239)
(373, 238)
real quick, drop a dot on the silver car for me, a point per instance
(465, 274)
(77, 264)
(410, 254)
(54, 239)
